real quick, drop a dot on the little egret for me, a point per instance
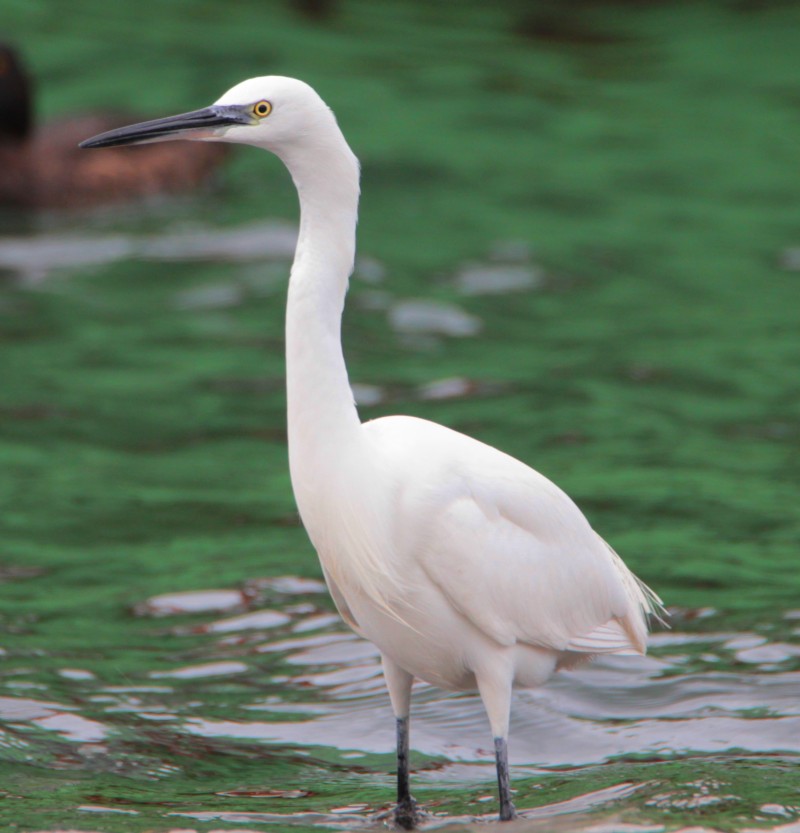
(466, 568)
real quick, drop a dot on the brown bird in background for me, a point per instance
(44, 168)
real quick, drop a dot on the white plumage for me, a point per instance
(464, 566)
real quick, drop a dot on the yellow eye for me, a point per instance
(262, 109)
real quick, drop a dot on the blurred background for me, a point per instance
(579, 242)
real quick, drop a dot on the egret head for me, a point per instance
(272, 112)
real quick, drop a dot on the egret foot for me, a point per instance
(507, 809)
(406, 815)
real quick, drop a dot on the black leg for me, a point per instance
(507, 810)
(405, 814)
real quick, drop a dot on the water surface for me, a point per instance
(576, 244)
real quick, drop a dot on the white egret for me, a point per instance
(466, 568)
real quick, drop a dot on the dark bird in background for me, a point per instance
(43, 167)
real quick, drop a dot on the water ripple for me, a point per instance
(282, 671)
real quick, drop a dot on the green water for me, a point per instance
(644, 160)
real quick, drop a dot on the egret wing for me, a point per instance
(340, 602)
(513, 554)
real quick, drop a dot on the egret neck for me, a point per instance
(320, 402)
(323, 423)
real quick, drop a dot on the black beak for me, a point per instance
(198, 124)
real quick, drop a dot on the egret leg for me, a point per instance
(507, 809)
(399, 681)
(494, 685)
(405, 814)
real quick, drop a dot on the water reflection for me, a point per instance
(36, 258)
(313, 684)
(419, 317)
(497, 280)
(614, 707)
(53, 717)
